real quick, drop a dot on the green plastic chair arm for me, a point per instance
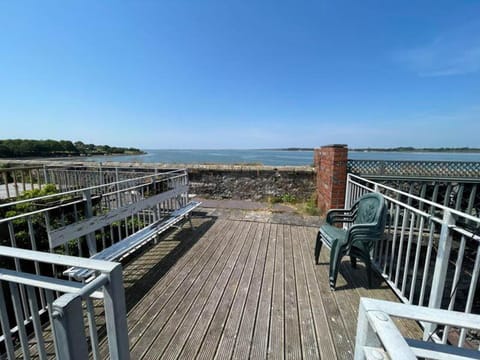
(339, 216)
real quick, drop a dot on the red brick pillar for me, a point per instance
(331, 167)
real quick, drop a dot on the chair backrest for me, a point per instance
(371, 209)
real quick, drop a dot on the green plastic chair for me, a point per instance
(368, 217)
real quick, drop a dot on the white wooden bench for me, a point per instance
(129, 244)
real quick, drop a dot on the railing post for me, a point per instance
(100, 172)
(117, 179)
(115, 316)
(5, 180)
(45, 174)
(348, 190)
(440, 271)
(15, 183)
(69, 328)
(92, 245)
(187, 182)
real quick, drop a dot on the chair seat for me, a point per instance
(331, 233)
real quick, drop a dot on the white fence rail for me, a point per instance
(14, 181)
(29, 223)
(51, 311)
(72, 178)
(430, 254)
(91, 219)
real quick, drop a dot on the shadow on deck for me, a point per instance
(242, 285)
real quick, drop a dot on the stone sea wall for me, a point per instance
(258, 183)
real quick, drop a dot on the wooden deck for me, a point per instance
(238, 288)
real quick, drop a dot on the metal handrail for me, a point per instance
(378, 336)
(424, 255)
(414, 197)
(63, 304)
(135, 204)
(70, 192)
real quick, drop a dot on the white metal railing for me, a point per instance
(65, 304)
(14, 181)
(29, 219)
(100, 215)
(71, 178)
(379, 338)
(430, 255)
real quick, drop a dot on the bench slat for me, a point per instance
(131, 243)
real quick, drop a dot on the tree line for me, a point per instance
(13, 148)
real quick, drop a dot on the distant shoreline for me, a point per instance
(420, 150)
(399, 149)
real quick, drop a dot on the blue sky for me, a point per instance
(241, 74)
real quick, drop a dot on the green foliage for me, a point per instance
(92, 149)
(47, 189)
(288, 198)
(41, 148)
(22, 208)
(310, 206)
(285, 198)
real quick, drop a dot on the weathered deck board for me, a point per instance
(230, 330)
(248, 289)
(277, 336)
(184, 296)
(260, 334)
(307, 329)
(215, 315)
(293, 348)
(245, 331)
(187, 266)
(324, 338)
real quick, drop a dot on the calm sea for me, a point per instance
(270, 157)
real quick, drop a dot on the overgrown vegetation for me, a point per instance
(15, 148)
(308, 207)
(285, 198)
